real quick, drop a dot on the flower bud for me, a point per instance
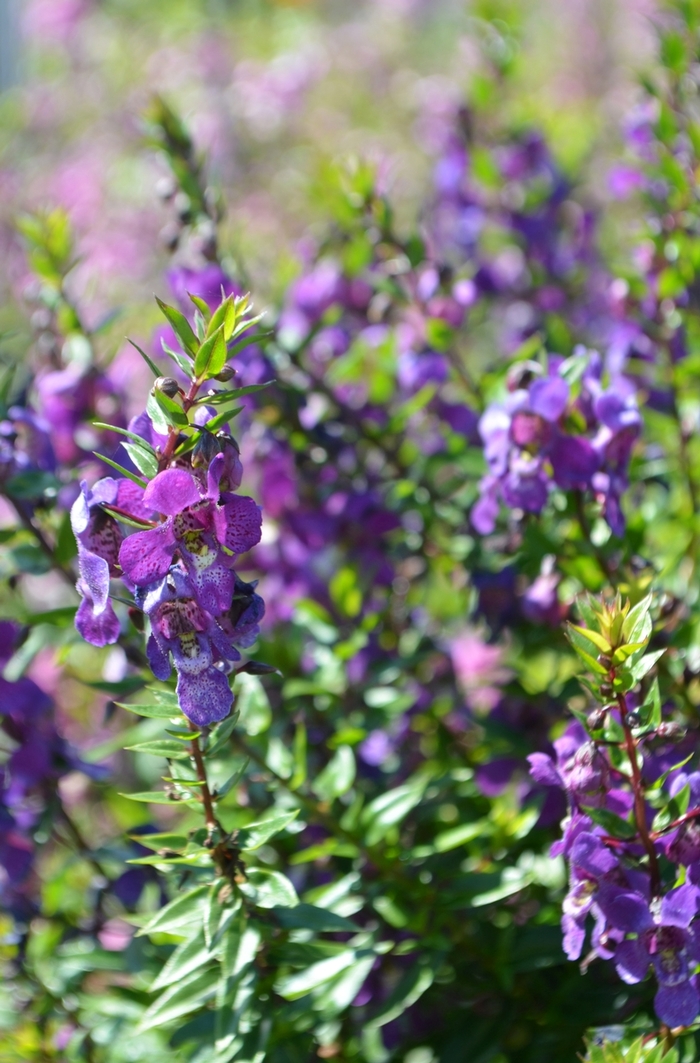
(226, 374)
(596, 719)
(205, 449)
(673, 732)
(168, 385)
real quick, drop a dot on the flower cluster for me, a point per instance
(179, 565)
(631, 837)
(546, 434)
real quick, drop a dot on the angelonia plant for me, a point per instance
(351, 647)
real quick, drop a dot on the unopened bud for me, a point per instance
(226, 374)
(136, 618)
(632, 718)
(170, 236)
(183, 206)
(596, 719)
(166, 188)
(673, 732)
(205, 450)
(168, 385)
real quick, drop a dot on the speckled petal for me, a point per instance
(145, 556)
(239, 524)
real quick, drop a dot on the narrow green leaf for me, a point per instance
(161, 797)
(184, 911)
(256, 834)
(211, 356)
(409, 989)
(298, 985)
(158, 418)
(592, 636)
(171, 750)
(156, 712)
(123, 432)
(180, 999)
(151, 365)
(180, 326)
(187, 957)
(637, 626)
(144, 462)
(338, 775)
(173, 412)
(120, 469)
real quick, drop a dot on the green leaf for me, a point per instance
(120, 469)
(269, 889)
(582, 646)
(466, 832)
(338, 775)
(180, 326)
(256, 834)
(156, 842)
(161, 797)
(592, 636)
(409, 989)
(144, 462)
(650, 711)
(640, 668)
(201, 305)
(155, 711)
(183, 912)
(171, 750)
(637, 626)
(308, 917)
(181, 999)
(612, 823)
(211, 356)
(173, 412)
(123, 432)
(187, 957)
(219, 398)
(158, 418)
(390, 808)
(151, 365)
(298, 985)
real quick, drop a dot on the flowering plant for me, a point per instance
(304, 728)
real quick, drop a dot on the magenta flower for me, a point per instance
(205, 529)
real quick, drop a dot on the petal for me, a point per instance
(94, 577)
(171, 492)
(204, 697)
(130, 498)
(679, 907)
(549, 397)
(80, 511)
(574, 461)
(145, 556)
(589, 853)
(213, 583)
(677, 1005)
(99, 629)
(631, 961)
(158, 659)
(626, 911)
(238, 524)
(574, 935)
(543, 770)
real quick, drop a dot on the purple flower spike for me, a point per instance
(204, 534)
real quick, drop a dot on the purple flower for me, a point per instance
(580, 768)
(99, 539)
(666, 941)
(205, 528)
(181, 628)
